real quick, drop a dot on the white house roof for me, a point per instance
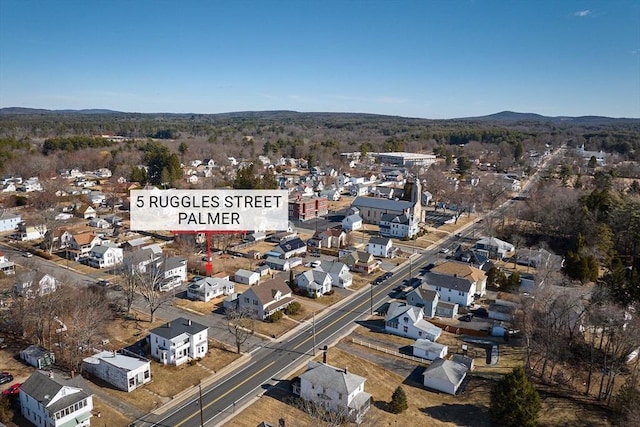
(446, 370)
(118, 360)
(492, 241)
(332, 378)
(382, 241)
(246, 273)
(430, 346)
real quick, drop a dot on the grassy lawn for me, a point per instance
(219, 356)
(129, 329)
(168, 381)
(198, 306)
(278, 328)
(108, 415)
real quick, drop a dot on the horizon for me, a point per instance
(107, 111)
(414, 59)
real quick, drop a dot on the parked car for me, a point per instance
(5, 377)
(27, 254)
(103, 282)
(466, 317)
(445, 250)
(13, 390)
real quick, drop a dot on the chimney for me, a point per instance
(345, 370)
(324, 354)
(189, 322)
(168, 324)
(50, 374)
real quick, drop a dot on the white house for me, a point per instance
(352, 222)
(450, 288)
(424, 297)
(33, 283)
(37, 356)
(494, 248)
(283, 264)
(28, 231)
(46, 400)
(99, 223)
(106, 255)
(123, 372)
(246, 277)
(380, 247)
(9, 221)
(209, 287)
(445, 375)
(465, 271)
(178, 341)
(339, 272)
(429, 350)
(398, 226)
(408, 321)
(315, 282)
(6, 266)
(337, 389)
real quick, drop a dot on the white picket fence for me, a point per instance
(388, 351)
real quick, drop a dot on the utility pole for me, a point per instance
(371, 299)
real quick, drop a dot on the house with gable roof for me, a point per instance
(398, 226)
(494, 248)
(429, 350)
(381, 247)
(85, 211)
(408, 321)
(9, 221)
(424, 297)
(105, 256)
(266, 298)
(315, 282)
(6, 266)
(290, 248)
(33, 283)
(444, 375)
(80, 244)
(337, 389)
(208, 288)
(352, 222)
(359, 261)
(339, 272)
(178, 341)
(46, 400)
(457, 290)
(464, 271)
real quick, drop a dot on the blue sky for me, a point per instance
(422, 58)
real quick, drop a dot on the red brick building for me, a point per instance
(304, 209)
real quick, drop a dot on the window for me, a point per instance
(246, 299)
(406, 319)
(420, 333)
(132, 382)
(146, 374)
(406, 329)
(255, 302)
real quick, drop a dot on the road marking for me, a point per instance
(197, 413)
(340, 318)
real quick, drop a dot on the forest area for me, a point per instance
(586, 213)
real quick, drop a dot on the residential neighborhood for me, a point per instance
(396, 268)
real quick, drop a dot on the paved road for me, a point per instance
(274, 360)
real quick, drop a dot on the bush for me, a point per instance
(331, 292)
(398, 401)
(293, 309)
(275, 316)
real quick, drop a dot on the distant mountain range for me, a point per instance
(507, 117)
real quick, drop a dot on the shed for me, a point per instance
(429, 350)
(444, 375)
(246, 277)
(37, 356)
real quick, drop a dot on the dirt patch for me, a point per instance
(10, 362)
(129, 329)
(218, 356)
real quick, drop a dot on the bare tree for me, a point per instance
(149, 284)
(240, 324)
(322, 414)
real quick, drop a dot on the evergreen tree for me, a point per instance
(514, 401)
(398, 401)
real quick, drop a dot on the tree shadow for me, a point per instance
(459, 414)
(374, 325)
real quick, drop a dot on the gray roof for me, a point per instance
(446, 370)
(449, 282)
(42, 388)
(35, 351)
(428, 345)
(245, 273)
(173, 262)
(290, 245)
(178, 327)
(383, 241)
(379, 203)
(332, 378)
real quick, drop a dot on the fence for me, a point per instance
(388, 351)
